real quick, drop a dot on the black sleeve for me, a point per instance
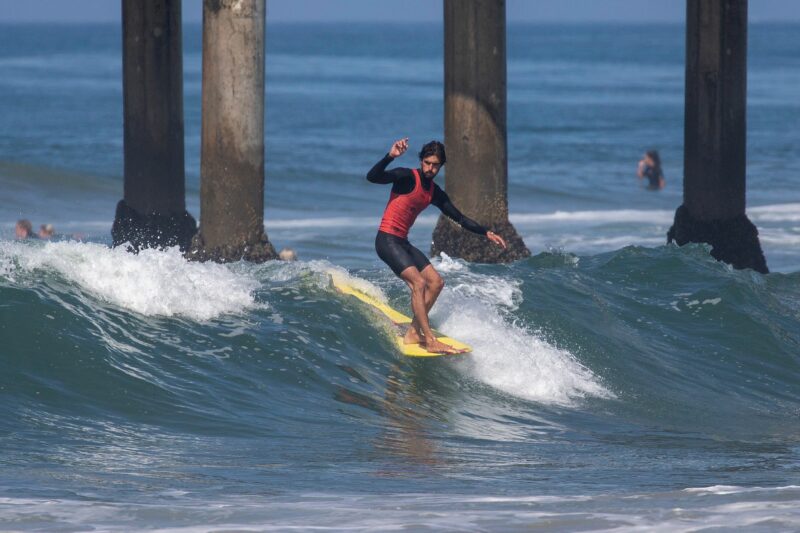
(401, 178)
(379, 174)
(442, 201)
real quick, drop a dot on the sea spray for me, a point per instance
(508, 356)
(151, 283)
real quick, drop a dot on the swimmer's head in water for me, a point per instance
(23, 229)
(432, 157)
(46, 231)
(287, 254)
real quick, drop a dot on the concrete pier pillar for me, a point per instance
(476, 173)
(153, 210)
(232, 145)
(715, 135)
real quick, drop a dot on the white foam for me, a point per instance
(175, 511)
(592, 244)
(594, 216)
(152, 283)
(775, 213)
(448, 264)
(779, 237)
(498, 292)
(507, 356)
(7, 267)
(734, 489)
(649, 216)
(340, 275)
(766, 213)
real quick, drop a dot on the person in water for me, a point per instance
(46, 231)
(24, 229)
(650, 168)
(412, 191)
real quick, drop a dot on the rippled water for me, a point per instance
(615, 383)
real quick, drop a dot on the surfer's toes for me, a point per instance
(441, 348)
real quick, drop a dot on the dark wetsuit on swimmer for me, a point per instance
(654, 176)
(411, 194)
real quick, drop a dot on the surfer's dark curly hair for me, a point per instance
(433, 148)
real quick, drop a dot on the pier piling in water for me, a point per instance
(153, 210)
(232, 144)
(715, 135)
(476, 175)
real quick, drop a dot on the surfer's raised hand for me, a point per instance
(399, 148)
(495, 238)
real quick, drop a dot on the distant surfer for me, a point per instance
(412, 191)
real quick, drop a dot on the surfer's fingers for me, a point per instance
(497, 239)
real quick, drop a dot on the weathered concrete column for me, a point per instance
(476, 175)
(715, 135)
(232, 147)
(153, 211)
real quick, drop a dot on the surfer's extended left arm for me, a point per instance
(442, 201)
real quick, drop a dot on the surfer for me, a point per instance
(412, 191)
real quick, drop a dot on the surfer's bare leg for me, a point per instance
(435, 284)
(433, 288)
(419, 288)
(413, 279)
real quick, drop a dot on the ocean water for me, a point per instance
(616, 382)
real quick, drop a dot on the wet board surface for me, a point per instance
(399, 319)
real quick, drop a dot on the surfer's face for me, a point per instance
(430, 166)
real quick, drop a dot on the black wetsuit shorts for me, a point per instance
(398, 253)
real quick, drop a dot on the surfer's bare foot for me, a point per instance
(436, 346)
(412, 336)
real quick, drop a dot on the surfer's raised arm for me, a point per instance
(379, 174)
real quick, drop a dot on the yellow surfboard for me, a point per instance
(399, 319)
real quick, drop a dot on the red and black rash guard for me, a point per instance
(404, 183)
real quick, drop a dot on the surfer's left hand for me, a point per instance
(495, 238)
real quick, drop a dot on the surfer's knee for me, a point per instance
(419, 284)
(436, 284)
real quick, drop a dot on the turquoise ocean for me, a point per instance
(616, 382)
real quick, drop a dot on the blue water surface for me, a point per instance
(616, 382)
